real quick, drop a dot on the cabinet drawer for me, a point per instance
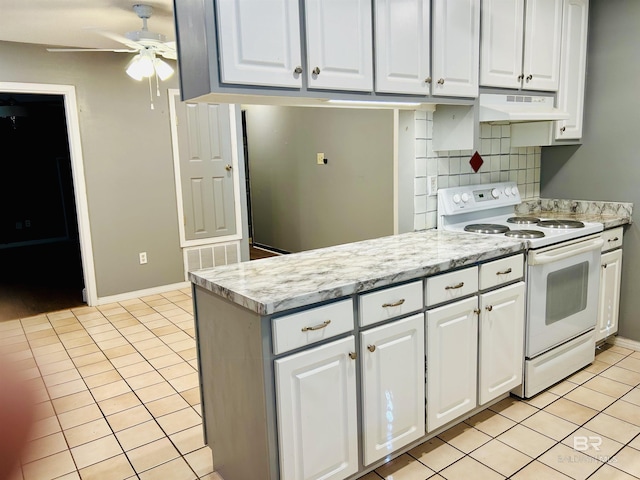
(311, 326)
(501, 271)
(612, 239)
(390, 302)
(450, 286)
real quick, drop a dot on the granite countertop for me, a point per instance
(610, 214)
(276, 284)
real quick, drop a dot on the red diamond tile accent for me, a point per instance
(476, 162)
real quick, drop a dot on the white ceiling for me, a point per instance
(69, 22)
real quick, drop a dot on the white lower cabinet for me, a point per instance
(452, 356)
(610, 276)
(501, 341)
(392, 363)
(316, 407)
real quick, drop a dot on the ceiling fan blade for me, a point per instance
(118, 50)
(120, 39)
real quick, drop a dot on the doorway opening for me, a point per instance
(40, 255)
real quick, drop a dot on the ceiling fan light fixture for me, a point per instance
(141, 66)
(163, 69)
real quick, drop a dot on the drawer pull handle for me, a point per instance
(353, 355)
(371, 348)
(614, 239)
(317, 327)
(454, 287)
(394, 304)
(489, 307)
(504, 272)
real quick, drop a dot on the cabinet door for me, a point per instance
(456, 47)
(452, 349)
(501, 355)
(501, 43)
(610, 275)
(317, 412)
(392, 359)
(339, 44)
(542, 38)
(403, 46)
(259, 42)
(573, 65)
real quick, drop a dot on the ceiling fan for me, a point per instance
(147, 44)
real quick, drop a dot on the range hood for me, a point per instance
(496, 108)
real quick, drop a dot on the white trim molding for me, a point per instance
(624, 343)
(142, 293)
(77, 171)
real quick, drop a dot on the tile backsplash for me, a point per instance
(502, 163)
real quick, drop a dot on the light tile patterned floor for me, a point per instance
(118, 398)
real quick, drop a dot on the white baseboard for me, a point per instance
(142, 293)
(624, 343)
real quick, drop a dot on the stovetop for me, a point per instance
(489, 207)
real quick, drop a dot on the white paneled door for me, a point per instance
(339, 44)
(317, 412)
(393, 391)
(259, 42)
(206, 170)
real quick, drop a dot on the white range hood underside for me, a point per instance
(518, 108)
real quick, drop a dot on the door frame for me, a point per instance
(68, 93)
(174, 97)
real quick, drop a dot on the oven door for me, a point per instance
(563, 283)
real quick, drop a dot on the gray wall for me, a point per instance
(299, 205)
(606, 166)
(127, 159)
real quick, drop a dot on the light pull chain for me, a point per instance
(151, 94)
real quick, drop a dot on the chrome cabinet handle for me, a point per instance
(441, 81)
(614, 239)
(353, 355)
(316, 71)
(317, 327)
(298, 70)
(529, 77)
(520, 77)
(453, 287)
(427, 80)
(563, 129)
(371, 348)
(228, 168)
(489, 307)
(504, 272)
(395, 304)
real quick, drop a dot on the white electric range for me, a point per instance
(562, 276)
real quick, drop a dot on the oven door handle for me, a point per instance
(541, 258)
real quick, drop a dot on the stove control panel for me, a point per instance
(471, 198)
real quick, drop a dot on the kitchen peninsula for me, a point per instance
(327, 308)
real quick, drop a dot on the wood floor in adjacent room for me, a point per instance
(39, 279)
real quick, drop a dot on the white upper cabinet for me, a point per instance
(501, 43)
(259, 42)
(456, 47)
(521, 44)
(402, 41)
(573, 68)
(339, 44)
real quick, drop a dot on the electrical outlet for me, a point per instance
(320, 159)
(27, 223)
(143, 257)
(432, 185)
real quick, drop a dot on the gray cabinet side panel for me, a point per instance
(232, 383)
